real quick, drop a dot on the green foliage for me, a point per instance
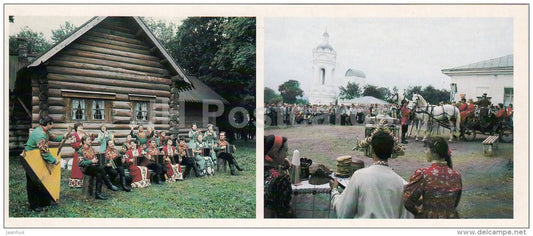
(431, 94)
(351, 91)
(218, 196)
(64, 30)
(37, 43)
(290, 90)
(271, 97)
(377, 92)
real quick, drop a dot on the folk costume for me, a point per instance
(210, 138)
(373, 192)
(405, 120)
(277, 185)
(38, 139)
(159, 170)
(190, 163)
(142, 137)
(205, 163)
(173, 170)
(193, 136)
(114, 166)
(433, 192)
(102, 138)
(86, 155)
(222, 154)
(76, 175)
(140, 174)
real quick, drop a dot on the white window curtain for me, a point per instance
(78, 109)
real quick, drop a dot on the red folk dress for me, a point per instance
(140, 174)
(76, 176)
(173, 171)
(433, 192)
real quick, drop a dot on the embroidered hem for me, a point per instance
(75, 183)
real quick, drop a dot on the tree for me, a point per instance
(37, 43)
(377, 92)
(352, 90)
(290, 90)
(271, 96)
(412, 90)
(64, 30)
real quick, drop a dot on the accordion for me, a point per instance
(230, 149)
(189, 153)
(206, 152)
(142, 160)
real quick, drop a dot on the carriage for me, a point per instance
(486, 122)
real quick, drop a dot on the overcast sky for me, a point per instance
(391, 52)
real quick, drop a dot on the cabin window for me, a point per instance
(78, 109)
(141, 111)
(98, 110)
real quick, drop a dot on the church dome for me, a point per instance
(354, 73)
(325, 42)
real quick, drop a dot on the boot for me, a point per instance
(236, 164)
(232, 169)
(403, 139)
(157, 179)
(98, 191)
(108, 183)
(163, 178)
(124, 185)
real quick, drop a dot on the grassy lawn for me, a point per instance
(219, 196)
(487, 181)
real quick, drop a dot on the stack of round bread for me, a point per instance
(344, 168)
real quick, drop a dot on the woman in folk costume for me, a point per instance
(152, 152)
(205, 163)
(89, 166)
(277, 183)
(161, 139)
(187, 161)
(126, 145)
(142, 136)
(140, 174)
(173, 170)
(103, 137)
(193, 134)
(210, 137)
(435, 191)
(76, 176)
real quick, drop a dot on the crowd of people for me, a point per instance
(292, 114)
(147, 157)
(375, 191)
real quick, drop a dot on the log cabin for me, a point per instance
(110, 70)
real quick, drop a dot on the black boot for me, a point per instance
(157, 179)
(232, 169)
(236, 164)
(403, 139)
(109, 185)
(124, 185)
(98, 191)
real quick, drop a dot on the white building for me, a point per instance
(494, 77)
(325, 85)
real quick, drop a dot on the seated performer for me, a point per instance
(210, 138)
(89, 166)
(38, 139)
(115, 164)
(140, 174)
(142, 136)
(172, 165)
(223, 154)
(205, 163)
(187, 161)
(161, 139)
(152, 154)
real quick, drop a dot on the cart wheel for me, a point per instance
(470, 134)
(506, 135)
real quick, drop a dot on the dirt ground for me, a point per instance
(487, 181)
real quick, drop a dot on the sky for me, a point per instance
(399, 52)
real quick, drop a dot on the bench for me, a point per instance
(489, 145)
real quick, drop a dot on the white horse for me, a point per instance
(444, 115)
(417, 121)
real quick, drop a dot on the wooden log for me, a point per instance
(109, 75)
(35, 109)
(122, 112)
(121, 105)
(103, 56)
(56, 109)
(136, 67)
(114, 47)
(116, 27)
(56, 101)
(96, 125)
(121, 120)
(78, 65)
(122, 34)
(95, 33)
(161, 120)
(115, 42)
(58, 118)
(34, 100)
(113, 52)
(110, 89)
(110, 82)
(160, 106)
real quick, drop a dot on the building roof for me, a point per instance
(496, 65)
(91, 24)
(354, 73)
(364, 100)
(201, 92)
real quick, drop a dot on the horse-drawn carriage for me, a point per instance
(485, 121)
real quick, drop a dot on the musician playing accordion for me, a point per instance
(115, 164)
(155, 164)
(224, 151)
(187, 159)
(203, 159)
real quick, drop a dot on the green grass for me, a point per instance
(219, 196)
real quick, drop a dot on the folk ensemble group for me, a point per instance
(137, 156)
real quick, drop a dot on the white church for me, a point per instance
(325, 86)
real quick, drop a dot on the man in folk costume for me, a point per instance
(115, 166)
(223, 154)
(126, 145)
(39, 139)
(404, 112)
(142, 136)
(89, 165)
(375, 191)
(140, 174)
(187, 161)
(172, 165)
(152, 153)
(76, 176)
(162, 139)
